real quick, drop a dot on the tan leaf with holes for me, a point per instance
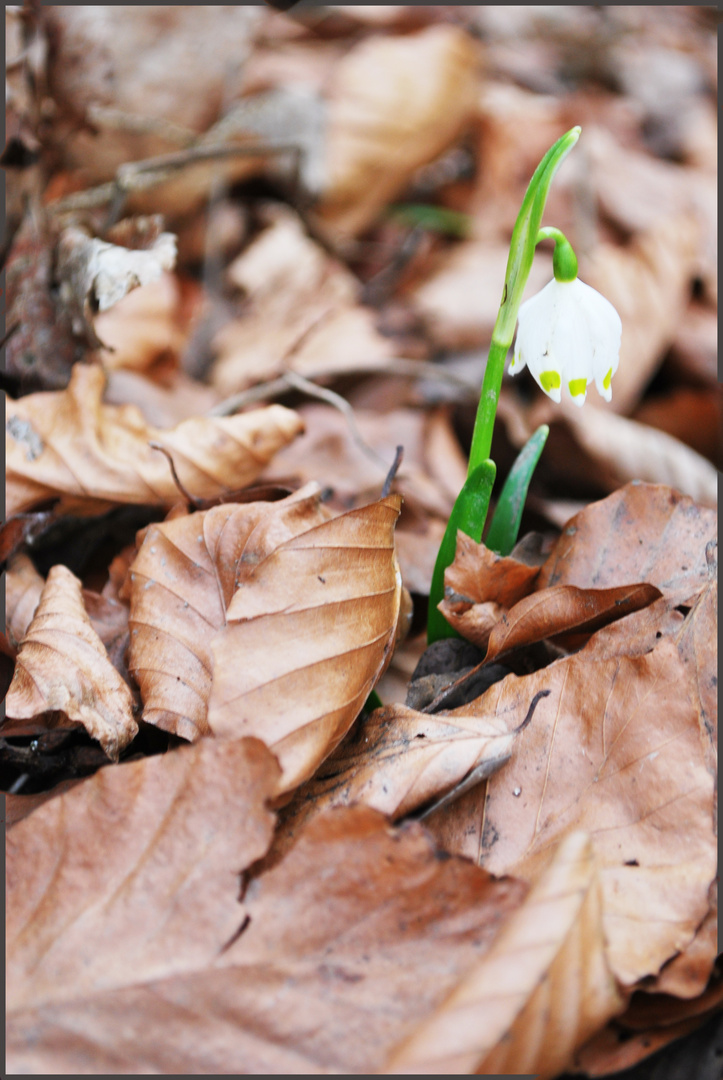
(63, 668)
(542, 989)
(69, 444)
(309, 631)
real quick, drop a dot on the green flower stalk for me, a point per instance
(568, 332)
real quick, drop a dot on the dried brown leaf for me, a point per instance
(644, 532)
(397, 760)
(146, 326)
(24, 586)
(181, 584)
(315, 622)
(70, 444)
(302, 311)
(63, 667)
(267, 619)
(174, 831)
(615, 750)
(478, 575)
(94, 275)
(396, 103)
(540, 991)
(547, 613)
(357, 933)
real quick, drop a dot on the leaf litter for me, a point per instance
(517, 874)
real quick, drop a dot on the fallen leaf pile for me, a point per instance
(254, 825)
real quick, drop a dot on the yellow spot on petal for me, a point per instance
(577, 386)
(550, 380)
(608, 379)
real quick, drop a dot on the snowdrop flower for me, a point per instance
(568, 333)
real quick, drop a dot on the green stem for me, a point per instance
(487, 408)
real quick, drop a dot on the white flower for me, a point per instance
(568, 333)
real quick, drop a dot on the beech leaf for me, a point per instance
(643, 532)
(398, 760)
(68, 443)
(175, 831)
(541, 990)
(266, 619)
(309, 633)
(63, 667)
(355, 934)
(614, 750)
(181, 583)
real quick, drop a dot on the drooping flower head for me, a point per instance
(568, 334)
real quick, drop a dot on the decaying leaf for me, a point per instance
(95, 275)
(615, 750)
(547, 613)
(24, 586)
(395, 104)
(63, 668)
(315, 622)
(398, 760)
(268, 619)
(175, 831)
(301, 305)
(644, 532)
(357, 933)
(69, 444)
(537, 995)
(180, 585)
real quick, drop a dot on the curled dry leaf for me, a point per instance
(95, 275)
(548, 613)
(615, 750)
(396, 103)
(357, 933)
(315, 623)
(70, 444)
(63, 667)
(175, 831)
(301, 305)
(542, 989)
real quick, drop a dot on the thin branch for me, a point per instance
(291, 378)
